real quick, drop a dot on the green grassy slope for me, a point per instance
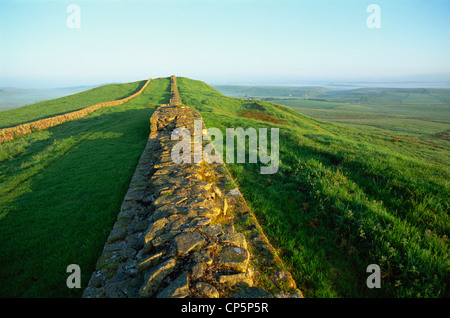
(417, 115)
(67, 104)
(418, 122)
(61, 190)
(11, 98)
(343, 199)
(374, 96)
(413, 114)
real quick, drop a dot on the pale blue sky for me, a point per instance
(220, 41)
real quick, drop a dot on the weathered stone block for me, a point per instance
(149, 262)
(236, 279)
(213, 230)
(186, 242)
(156, 229)
(197, 270)
(237, 239)
(156, 277)
(233, 257)
(207, 290)
(164, 212)
(141, 226)
(179, 288)
(117, 235)
(163, 238)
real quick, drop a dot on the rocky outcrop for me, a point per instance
(19, 130)
(184, 229)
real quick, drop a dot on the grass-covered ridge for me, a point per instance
(67, 104)
(61, 190)
(342, 199)
(414, 115)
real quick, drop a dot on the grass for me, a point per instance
(61, 190)
(11, 98)
(342, 199)
(67, 104)
(419, 122)
(421, 115)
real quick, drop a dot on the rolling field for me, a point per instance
(61, 189)
(346, 194)
(11, 98)
(67, 104)
(416, 115)
(342, 199)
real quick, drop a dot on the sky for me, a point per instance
(221, 41)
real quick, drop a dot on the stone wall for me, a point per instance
(184, 230)
(22, 129)
(174, 96)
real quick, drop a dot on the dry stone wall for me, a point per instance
(184, 230)
(22, 129)
(174, 96)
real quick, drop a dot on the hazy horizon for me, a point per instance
(440, 82)
(46, 44)
(14, 97)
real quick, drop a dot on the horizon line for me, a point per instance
(441, 80)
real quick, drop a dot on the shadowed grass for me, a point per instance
(61, 190)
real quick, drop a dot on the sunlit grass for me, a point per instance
(67, 104)
(342, 199)
(61, 190)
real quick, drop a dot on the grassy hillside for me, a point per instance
(11, 98)
(67, 104)
(407, 114)
(61, 189)
(343, 199)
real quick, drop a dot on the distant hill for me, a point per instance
(12, 97)
(79, 97)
